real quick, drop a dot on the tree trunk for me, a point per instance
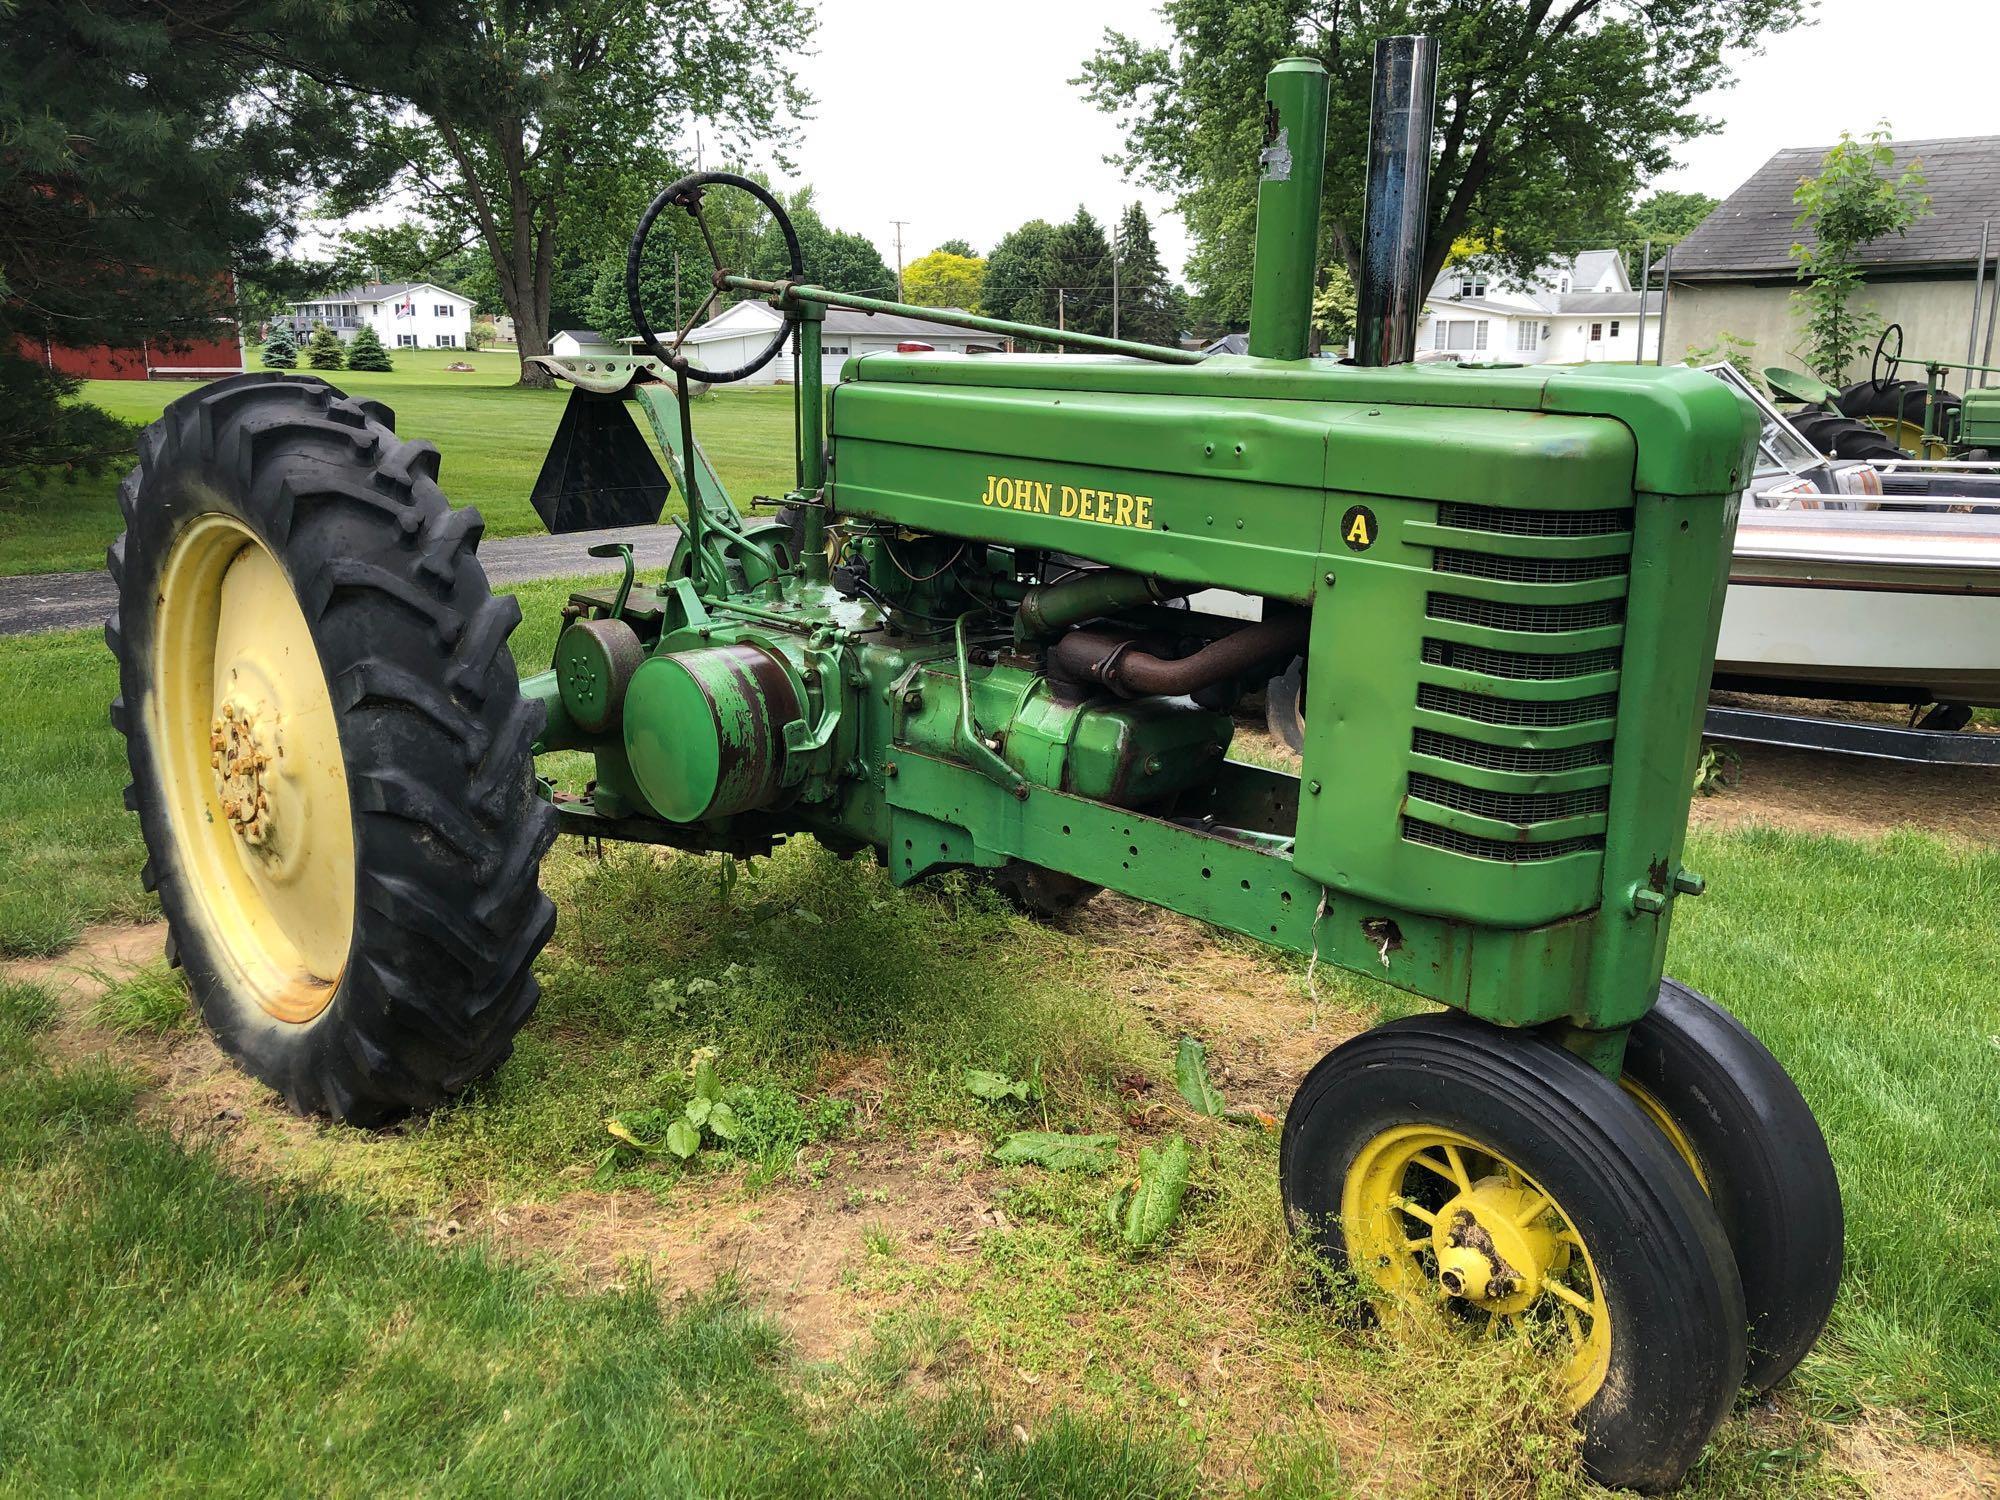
(531, 336)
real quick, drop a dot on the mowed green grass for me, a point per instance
(171, 1328)
(491, 433)
(1866, 965)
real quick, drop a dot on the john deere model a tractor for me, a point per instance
(978, 636)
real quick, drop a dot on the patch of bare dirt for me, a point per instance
(1890, 1463)
(1261, 1026)
(1852, 796)
(794, 1247)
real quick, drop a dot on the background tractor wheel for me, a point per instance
(1285, 706)
(1039, 892)
(329, 749)
(1845, 437)
(1739, 1121)
(1458, 1168)
(1896, 408)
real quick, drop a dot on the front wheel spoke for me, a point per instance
(1533, 1211)
(1575, 1326)
(1442, 1169)
(1494, 1322)
(1458, 1173)
(1573, 1297)
(1414, 1211)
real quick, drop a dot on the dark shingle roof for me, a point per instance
(1752, 232)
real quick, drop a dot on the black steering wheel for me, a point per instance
(687, 194)
(1882, 356)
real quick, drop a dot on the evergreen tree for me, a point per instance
(1147, 309)
(1082, 260)
(146, 155)
(281, 349)
(324, 350)
(367, 353)
(1020, 280)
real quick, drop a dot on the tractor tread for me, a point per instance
(450, 828)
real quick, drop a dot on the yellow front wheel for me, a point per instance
(1463, 1172)
(330, 753)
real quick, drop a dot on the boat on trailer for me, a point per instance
(1864, 581)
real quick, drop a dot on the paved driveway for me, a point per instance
(38, 602)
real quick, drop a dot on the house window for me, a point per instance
(442, 309)
(1564, 287)
(1462, 333)
(447, 341)
(406, 341)
(1525, 336)
(1597, 333)
(1472, 284)
(834, 349)
(1614, 328)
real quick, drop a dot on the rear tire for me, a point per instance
(1285, 706)
(1761, 1158)
(1653, 1365)
(1845, 437)
(330, 753)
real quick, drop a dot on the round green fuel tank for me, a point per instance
(704, 730)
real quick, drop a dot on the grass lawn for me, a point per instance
(168, 1325)
(492, 434)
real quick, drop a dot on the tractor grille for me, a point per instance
(1509, 807)
(1527, 569)
(1506, 522)
(1532, 713)
(1420, 832)
(1540, 619)
(1529, 621)
(1530, 762)
(1528, 666)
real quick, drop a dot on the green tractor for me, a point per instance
(1886, 417)
(965, 642)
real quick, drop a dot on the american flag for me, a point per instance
(407, 308)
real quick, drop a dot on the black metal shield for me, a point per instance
(599, 471)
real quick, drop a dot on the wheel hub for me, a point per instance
(242, 744)
(1486, 1255)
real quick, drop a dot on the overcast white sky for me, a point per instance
(961, 120)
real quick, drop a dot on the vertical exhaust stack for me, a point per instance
(1396, 214)
(1288, 206)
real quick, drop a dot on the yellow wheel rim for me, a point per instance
(251, 773)
(1668, 1127)
(1435, 1220)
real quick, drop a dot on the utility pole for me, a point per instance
(1062, 310)
(677, 289)
(1116, 228)
(1645, 291)
(901, 225)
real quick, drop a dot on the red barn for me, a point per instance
(197, 359)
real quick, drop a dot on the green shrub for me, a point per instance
(281, 349)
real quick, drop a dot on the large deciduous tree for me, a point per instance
(1549, 114)
(542, 126)
(942, 279)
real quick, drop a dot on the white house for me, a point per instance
(736, 335)
(404, 314)
(1576, 311)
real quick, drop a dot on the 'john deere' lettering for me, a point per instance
(1071, 502)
